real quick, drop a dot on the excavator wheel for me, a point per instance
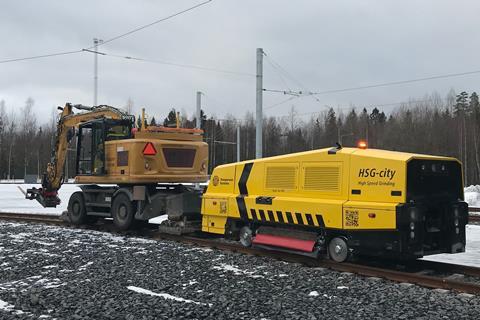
(122, 212)
(76, 208)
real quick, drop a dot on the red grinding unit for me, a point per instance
(284, 242)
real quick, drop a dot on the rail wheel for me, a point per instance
(122, 212)
(246, 236)
(76, 208)
(338, 249)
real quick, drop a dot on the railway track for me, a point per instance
(28, 217)
(475, 218)
(438, 281)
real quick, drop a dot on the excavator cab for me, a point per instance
(92, 136)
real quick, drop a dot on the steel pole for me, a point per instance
(238, 143)
(95, 71)
(198, 125)
(259, 103)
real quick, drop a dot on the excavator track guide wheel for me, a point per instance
(338, 249)
(246, 235)
(122, 212)
(76, 208)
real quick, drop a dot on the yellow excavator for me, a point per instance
(124, 172)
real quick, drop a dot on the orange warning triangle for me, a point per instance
(149, 150)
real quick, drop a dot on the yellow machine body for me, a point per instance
(178, 158)
(350, 192)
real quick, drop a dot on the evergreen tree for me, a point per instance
(331, 129)
(153, 122)
(139, 121)
(171, 119)
(461, 104)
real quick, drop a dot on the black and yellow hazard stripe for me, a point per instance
(287, 217)
(242, 187)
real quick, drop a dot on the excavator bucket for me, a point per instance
(45, 198)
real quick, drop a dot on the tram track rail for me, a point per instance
(388, 273)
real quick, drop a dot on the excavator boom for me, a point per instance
(53, 178)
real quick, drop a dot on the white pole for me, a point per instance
(259, 102)
(95, 71)
(198, 125)
(238, 143)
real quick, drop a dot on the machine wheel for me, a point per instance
(122, 212)
(246, 236)
(76, 208)
(338, 249)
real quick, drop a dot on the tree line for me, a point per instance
(447, 126)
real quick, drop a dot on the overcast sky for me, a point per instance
(322, 44)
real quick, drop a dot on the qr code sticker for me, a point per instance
(351, 218)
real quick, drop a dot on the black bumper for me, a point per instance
(420, 231)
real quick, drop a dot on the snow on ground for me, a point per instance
(471, 256)
(13, 200)
(163, 295)
(472, 195)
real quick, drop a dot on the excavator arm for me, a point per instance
(53, 178)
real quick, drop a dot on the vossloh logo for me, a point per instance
(374, 173)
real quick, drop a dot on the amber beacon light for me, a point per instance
(362, 144)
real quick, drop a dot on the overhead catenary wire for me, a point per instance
(108, 40)
(152, 23)
(174, 64)
(281, 102)
(385, 84)
(289, 75)
(362, 106)
(393, 83)
(278, 73)
(41, 56)
(350, 107)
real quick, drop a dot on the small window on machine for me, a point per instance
(84, 151)
(118, 129)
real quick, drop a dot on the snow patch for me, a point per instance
(84, 267)
(313, 294)
(45, 243)
(48, 284)
(5, 306)
(228, 267)
(14, 201)
(236, 271)
(471, 256)
(163, 295)
(190, 282)
(158, 220)
(472, 195)
(341, 287)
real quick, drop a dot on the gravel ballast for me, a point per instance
(49, 272)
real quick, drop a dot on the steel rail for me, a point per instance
(30, 217)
